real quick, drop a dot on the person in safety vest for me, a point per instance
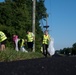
(30, 39)
(22, 45)
(2, 40)
(46, 39)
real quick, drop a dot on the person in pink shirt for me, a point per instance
(15, 40)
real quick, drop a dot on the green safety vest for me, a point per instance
(30, 37)
(46, 39)
(2, 36)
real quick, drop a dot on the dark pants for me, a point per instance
(30, 45)
(3, 42)
(45, 47)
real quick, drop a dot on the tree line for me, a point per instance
(68, 51)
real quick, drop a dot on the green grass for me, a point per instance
(12, 55)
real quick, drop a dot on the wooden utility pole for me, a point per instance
(33, 26)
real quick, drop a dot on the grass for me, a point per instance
(12, 55)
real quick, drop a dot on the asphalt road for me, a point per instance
(42, 66)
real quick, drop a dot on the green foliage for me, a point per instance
(68, 51)
(74, 49)
(74, 45)
(41, 11)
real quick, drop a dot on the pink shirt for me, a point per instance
(15, 37)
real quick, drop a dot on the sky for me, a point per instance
(2, 0)
(62, 22)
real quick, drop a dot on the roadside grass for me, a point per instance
(13, 55)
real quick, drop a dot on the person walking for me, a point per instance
(30, 39)
(2, 40)
(46, 39)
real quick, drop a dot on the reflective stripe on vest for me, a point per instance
(2, 36)
(45, 39)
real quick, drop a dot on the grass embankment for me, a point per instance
(12, 55)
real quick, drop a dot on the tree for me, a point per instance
(74, 49)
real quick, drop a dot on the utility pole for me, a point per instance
(46, 26)
(33, 26)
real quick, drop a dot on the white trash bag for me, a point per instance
(23, 49)
(51, 49)
(16, 43)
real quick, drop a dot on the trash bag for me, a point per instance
(51, 49)
(23, 49)
(16, 43)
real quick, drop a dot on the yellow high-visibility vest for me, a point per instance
(22, 42)
(30, 37)
(46, 39)
(2, 36)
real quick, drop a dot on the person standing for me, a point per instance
(2, 40)
(46, 39)
(30, 39)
